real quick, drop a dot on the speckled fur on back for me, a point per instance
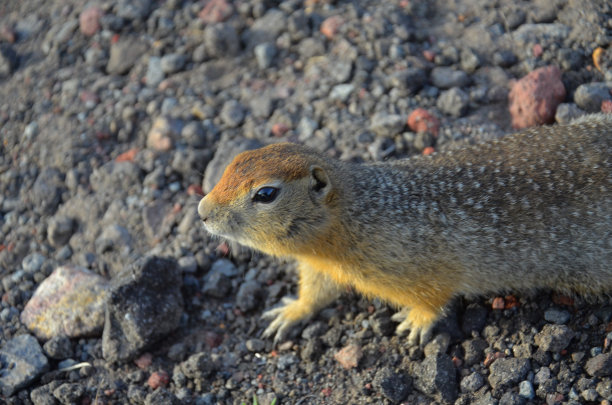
(529, 210)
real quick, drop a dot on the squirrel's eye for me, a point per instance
(265, 195)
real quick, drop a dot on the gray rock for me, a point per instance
(567, 112)
(387, 125)
(394, 386)
(47, 191)
(540, 33)
(542, 375)
(438, 345)
(411, 80)
(21, 362)
(124, 54)
(265, 53)
(554, 338)
(69, 393)
(33, 262)
(265, 29)
(198, 365)
(474, 350)
(225, 267)
(453, 102)
(261, 107)
(173, 62)
(310, 47)
(60, 229)
(510, 398)
(604, 388)
(341, 92)
(306, 128)
(526, 390)
(446, 77)
(217, 285)
(312, 350)
(161, 396)
(600, 365)
(589, 96)
(114, 237)
(43, 395)
(195, 134)
(285, 361)
(507, 372)
(155, 73)
(255, 345)
(58, 348)
(226, 152)
(8, 60)
(144, 304)
(248, 295)
(221, 40)
(340, 70)
(188, 264)
(472, 382)
(556, 315)
(436, 376)
(232, 113)
(133, 9)
(469, 61)
(115, 178)
(504, 58)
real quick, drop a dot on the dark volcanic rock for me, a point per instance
(21, 362)
(436, 376)
(144, 304)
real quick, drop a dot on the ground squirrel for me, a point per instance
(530, 210)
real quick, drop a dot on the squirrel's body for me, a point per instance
(531, 210)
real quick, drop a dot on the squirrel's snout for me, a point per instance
(203, 210)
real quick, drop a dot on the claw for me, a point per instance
(280, 324)
(418, 335)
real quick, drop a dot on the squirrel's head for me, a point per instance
(276, 199)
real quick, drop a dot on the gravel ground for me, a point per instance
(117, 115)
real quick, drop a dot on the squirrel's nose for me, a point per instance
(203, 210)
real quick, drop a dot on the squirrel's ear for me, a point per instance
(319, 183)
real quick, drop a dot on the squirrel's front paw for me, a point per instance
(420, 324)
(283, 318)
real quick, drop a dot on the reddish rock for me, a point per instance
(216, 11)
(429, 55)
(534, 98)
(162, 134)
(8, 34)
(127, 156)
(331, 26)
(144, 361)
(420, 120)
(537, 50)
(195, 189)
(279, 129)
(158, 379)
(349, 356)
(428, 150)
(89, 20)
(606, 106)
(498, 303)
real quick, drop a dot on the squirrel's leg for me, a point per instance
(419, 320)
(316, 291)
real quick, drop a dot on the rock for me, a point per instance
(89, 20)
(161, 396)
(43, 395)
(70, 302)
(216, 11)
(217, 285)
(8, 60)
(226, 152)
(114, 237)
(534, 98)
(173, 62)
(589, 96)
(469, 61)
(221, 40)
(158, 379)
(420, 120)
(331, 25)
(526, 390)
(311, 47)
(506, 372)
(261, 107)
(163, 133)
(266, 28)
(411, 80)
(21, 362)
(567, 112)
(436, 376)
(143, 305)
(133, 9)
(504, 58)
(558, 316)
(394, 386)
(115, 178)
(124, 54)
(198, 366)
(386, 125)
(472, 382)
(248, 295)
(285, 361)
(60, 229)
(341, 92)
(474, 350)
(312, 350)
(47, 191)
(155, 74)
(554, 338)
(255, 345)
(438, 345)
(58, 348)
(195, 135)
(33, 262)
(454, 102)
(232, 113)
(445, 77)
(349, 356)
(600, 365)
(69, 393)
(265, 53)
